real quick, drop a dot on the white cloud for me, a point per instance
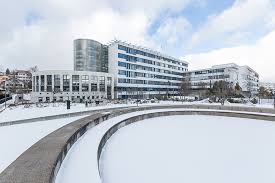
(260, 56)
(48, 42)
(172, 30)
(244, 17)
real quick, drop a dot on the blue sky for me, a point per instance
(202, 32)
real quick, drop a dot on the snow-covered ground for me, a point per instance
(191, 149)
(32, 111)
(16, 139)
(196, 147)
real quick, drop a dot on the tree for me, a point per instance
(185, 88)
(34, 69)
(222, 89)
(202, 89)
(8, 71)
(238, 88)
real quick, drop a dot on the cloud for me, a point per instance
(260, 56)
(42, 32)
(173, 30)
(237, 24)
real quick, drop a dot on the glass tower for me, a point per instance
(90, 55)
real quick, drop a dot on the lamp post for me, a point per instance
(5, 98)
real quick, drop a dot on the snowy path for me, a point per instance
(18, 138)
(80, 164)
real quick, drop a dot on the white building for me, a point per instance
(270, 86)
(143, 73)
(78, 86)
(247, 78)
(23, 75)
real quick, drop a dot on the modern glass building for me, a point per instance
(90, 55)
(144, 73)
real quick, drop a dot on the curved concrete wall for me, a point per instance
(41, 162)
(138, 118)
(90, 112)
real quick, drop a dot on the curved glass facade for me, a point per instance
(90, 55)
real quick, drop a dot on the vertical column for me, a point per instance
(52, 83)
(61, 82)
(80, 83)
(89, 84)
(105, 83)
(71, 82)
(39, 83)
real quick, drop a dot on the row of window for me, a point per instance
(139, 52)
(207, 71)
(144, 82)
(137, 59)
(54, 84)
(145, 68)
(208, 77)
(146, 75)
(147, 89)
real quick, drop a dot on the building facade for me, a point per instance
(247, 78)
(23, 75)
(75, 86)
(143, 73)
(90, 55)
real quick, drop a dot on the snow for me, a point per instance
(16, 139)
(186, 138)
(191, 149)
(32, 111)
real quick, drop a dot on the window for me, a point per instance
(122, 64)
(56, 83)
(121, 72)
(42, 83)
(85, 83)
(66, 83)
(102, 83)
(93, 83)
(37, 83)
(75, 83)
(49, 83)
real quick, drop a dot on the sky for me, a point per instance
(201, 32)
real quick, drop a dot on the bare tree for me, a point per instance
(185, 88)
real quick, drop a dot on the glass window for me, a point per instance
(56, 83)
(75, 83)
(42, 83)
(102, 83)
(66, 83)
(49, 83)
(85, 83)
(93, 83)
(37, 83)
